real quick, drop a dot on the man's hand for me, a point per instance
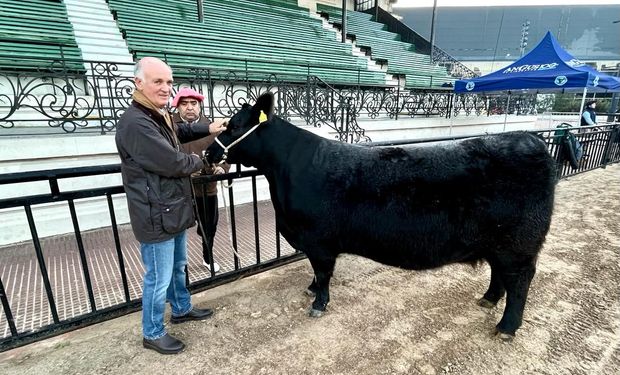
(218, 126)
(218, 170)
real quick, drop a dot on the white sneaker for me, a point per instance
(216, 267)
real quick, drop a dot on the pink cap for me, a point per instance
(186, 92)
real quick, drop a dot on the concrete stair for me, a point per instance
(97, 34)
(356, 51)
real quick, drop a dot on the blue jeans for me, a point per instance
(164, 279)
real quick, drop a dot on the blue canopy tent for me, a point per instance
(546, 68)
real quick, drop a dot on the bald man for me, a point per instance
(156, 176)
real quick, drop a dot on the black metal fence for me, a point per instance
(601, 147)
(93, 100)
(86, 277)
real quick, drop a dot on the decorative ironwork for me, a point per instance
(469, 104)
(94, 99)
(454, 67)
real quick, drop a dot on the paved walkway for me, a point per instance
(23, 283)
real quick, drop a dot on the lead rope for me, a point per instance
(197, 213)
(228, 218)
(202, 228)
(262, 118)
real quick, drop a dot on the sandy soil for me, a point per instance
(384, 320)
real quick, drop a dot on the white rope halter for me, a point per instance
(261, 119)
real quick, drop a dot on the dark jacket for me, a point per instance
(198, 147)
(156, 172)
(592, 116)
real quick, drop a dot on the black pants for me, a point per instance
(207, 209)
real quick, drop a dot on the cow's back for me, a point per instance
(425, 206)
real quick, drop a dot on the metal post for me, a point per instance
(344, 21)
(255, 211)
(433, 28)
(397, 99)
(376, 11)
(7, 310)
(499, 33)
(41, 261)
(117, 245)
(83, 259)
(583, 101)
(201, 16)
(506, 110)
(233, 223)
(613, 108)
(525, 27)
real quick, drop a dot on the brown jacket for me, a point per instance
(197, 147)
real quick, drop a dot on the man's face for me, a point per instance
(189, 109)
(157, 83)
(593, 105)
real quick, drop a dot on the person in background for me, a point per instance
(187, 102)
(588, 117)
(156, 177)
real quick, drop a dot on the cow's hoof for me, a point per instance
(316, 313)
(505, 337)
(310, 293)
(486, 303)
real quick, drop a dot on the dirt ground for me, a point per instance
(384, 320)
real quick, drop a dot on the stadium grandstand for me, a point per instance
(279, 38)
(91, 46)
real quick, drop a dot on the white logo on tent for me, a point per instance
(595, 82)
(470, 86)
(560, 80)
(574, 63)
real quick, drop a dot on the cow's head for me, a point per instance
(239, 139)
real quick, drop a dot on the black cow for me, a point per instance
(414, 207)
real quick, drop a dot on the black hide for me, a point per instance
(414, 207)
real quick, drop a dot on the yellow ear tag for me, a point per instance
(262, 117)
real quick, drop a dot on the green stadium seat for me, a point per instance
(37, 36)
(259, 37)
(387, 46)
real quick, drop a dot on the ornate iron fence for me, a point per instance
(93, 100)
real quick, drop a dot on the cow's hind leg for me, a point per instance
(312, 288)
(323, 271)
(517, 284)
(496, 289)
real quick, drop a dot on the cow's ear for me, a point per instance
(264, 103)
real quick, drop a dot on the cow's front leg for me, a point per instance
(323, 271)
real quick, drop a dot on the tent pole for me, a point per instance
(583, 101)
(506, 110)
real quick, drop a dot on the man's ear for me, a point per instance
(264, 103)
(138, 82)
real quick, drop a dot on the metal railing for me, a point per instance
(601, 147)
(94, 101)
(96, 310)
